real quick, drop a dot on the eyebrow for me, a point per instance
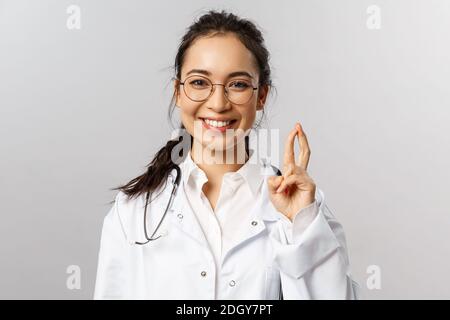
(233, 74)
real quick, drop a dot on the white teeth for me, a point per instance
(217, 124)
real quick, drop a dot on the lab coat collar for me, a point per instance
(181, 214)
(251, 172)
(263, 207)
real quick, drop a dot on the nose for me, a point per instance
(217, 101)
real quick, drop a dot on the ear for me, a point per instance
(176, 91)
(262, 96)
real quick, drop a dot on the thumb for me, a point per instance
(274, 182)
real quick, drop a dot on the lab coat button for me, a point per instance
(254, 223)
(180, 216)
(203, 274)
(232, 283)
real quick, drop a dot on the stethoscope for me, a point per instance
(176, 184)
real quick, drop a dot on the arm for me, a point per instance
(112, 263)
(311, 253)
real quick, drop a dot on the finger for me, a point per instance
(289, 157)
(305, 151)
(291, 180)
(302, 182)
(274, 182)
(289, 170)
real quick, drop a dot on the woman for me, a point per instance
(229, 231)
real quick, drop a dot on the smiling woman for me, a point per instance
(222, 229)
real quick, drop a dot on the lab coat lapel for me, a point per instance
(182, 216)
(262, 213)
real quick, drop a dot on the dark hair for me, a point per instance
(211, 23)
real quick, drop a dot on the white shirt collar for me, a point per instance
(250, 173)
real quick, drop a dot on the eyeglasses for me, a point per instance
(199, 88)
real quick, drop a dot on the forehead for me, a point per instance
(220, 55)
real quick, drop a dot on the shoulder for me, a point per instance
(124, 215)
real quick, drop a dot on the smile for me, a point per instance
(217, 125)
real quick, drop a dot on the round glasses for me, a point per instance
(199, 88)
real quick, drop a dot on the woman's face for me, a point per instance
(217, 58)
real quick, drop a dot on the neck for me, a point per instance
(215, 163)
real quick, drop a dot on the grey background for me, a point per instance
(84, 110)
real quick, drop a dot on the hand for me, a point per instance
(294, 190)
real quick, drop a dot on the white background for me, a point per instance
(84, 110)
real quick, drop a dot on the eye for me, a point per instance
(239, 85)
(198, 83)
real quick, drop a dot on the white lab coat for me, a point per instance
(180, 265)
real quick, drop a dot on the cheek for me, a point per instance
(188, 108)
(188, 111)
(248, 114)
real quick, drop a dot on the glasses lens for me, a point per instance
(239, 91)
(197, 88)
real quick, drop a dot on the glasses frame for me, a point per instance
(213, 88)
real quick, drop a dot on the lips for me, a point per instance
(218, 125)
